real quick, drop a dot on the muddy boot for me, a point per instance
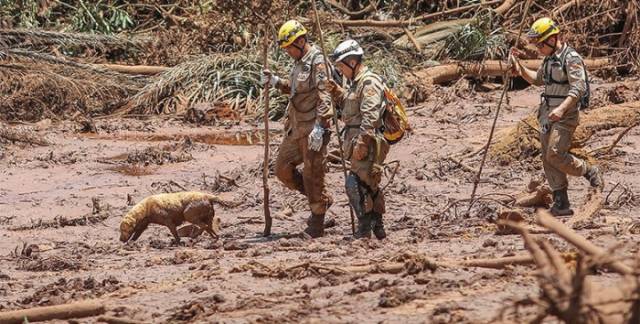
(378, 226)
(364, 227)
(315, 226)
(561, 205)
(594, 176)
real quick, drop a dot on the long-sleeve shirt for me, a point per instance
(309, 102)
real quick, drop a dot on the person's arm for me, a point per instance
(576, 76)
(325, 108)
(370, 110)
(531, 76)
(283, 85)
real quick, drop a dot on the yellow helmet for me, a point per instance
(289, 32)
(542, 29)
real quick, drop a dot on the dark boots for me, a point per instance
(315, 226)
(370, 222)
(378, 226)
(594, 176)
(364, 227)
(561, 205)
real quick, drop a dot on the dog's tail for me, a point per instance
(229, 204)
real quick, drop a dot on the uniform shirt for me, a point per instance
(575, 76)
(309, 102)
(362, 107)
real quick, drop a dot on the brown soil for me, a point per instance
(61, 204)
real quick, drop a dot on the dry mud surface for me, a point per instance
(61, 205)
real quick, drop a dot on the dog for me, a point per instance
(171, 210)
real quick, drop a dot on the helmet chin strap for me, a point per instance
(299, 48)
(352, 68)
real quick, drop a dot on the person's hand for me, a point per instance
(556, 114)
(267, 76)
(361, 149)
(316, 138)
(514, 61)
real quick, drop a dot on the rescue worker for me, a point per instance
(364, 145)
(307, 126)
(564, 77)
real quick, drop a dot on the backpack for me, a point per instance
(394, 117)
(395, 121)
(585, 99)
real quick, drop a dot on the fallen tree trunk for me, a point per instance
(547, 220)
(450, 72)
(211, 137)
(521, 141)
(47, 313)
(21, 135)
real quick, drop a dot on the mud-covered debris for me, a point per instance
(393, 297)
(372, 286)
(36, 262)
(63, 290)
(235, 245)
(447, 312)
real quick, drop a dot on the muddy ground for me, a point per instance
(61, 205)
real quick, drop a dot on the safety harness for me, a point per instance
(549, 80)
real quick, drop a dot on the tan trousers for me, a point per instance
(556, 159)
(369, 171)
(293, 152)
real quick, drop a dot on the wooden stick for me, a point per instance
(495, 119)
(265, 166)
(353, 14)
(497, 263)
(47, 313)
(620, 136)
(547, 220)
(335, 115)
(117, 320)
(413, 39)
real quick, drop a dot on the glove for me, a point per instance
(316, 137)
(361, 149)
(267, 76)
(2, 55)
(334, 90)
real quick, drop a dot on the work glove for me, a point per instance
(360, 149)
(334, 90)
(514, 56)
(316, 137)
(267, 76)
(2, 55)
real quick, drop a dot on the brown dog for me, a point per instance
(171, 210)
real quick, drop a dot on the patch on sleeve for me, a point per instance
(370, 91)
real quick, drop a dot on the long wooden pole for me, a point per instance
(265, 166)
(495, 119)
(47, 313)
(335, 115)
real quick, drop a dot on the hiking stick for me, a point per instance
(495, 119)
(335, 116)
(265, 167)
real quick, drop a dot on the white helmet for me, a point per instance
(347, 48)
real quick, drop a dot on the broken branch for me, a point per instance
(46, 313)
(545, 219)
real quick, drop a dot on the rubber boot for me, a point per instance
(364, 227)
(315, 226)
(378, 226)
(561, 205)
(594, 176)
